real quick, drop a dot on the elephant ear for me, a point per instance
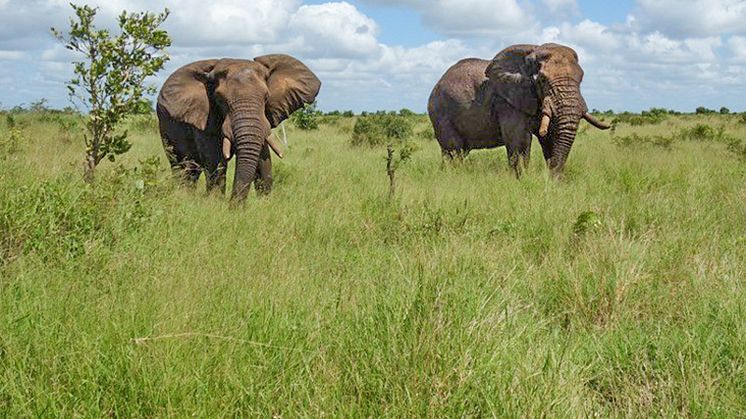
(512, 76)
(291, 85)
(184, 94)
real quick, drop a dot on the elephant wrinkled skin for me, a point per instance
(211, 110)
(524, 90)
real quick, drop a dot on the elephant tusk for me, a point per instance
(595, 122)
(274, 146)
(544, 128)
(227, 148)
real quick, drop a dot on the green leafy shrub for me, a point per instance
(10, 142)
(700, 132)
(586, 222)
(701, 110)
(397, 156)
(380, 129)
(348, 114)
(110, 81)
(427, 133)
(635, 139)
(306, 118)
(650, 117)
(742, 118)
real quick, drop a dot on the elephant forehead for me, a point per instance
(557, 50)
(236, 66)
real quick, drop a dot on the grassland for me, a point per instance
(618, 291)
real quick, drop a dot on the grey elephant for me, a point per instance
(524, 90)
(211, 110)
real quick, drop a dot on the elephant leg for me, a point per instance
(211, 154)
(517, 138)
(182, 157)
(263, 178)
(451, 143)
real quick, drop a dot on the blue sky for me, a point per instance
(387, 54)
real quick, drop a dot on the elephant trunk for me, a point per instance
(249, 133)
(568, 107)
(566, 128)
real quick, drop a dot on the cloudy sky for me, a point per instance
(387, 54)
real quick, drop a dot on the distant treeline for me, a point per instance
(653, 113)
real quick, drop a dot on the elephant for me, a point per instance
(524, 90)
(210, 110)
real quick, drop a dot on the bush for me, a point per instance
(10, 142)
(724, 111)
(379, 129)
(427, 133)
(306, 118)
(406, 112)
(110, 81)
(742, 119)
(650, 117)
(703, 111)
(348, 114)
(700, 132)
(636, 139)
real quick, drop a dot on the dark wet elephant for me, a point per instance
(524, 90)
(210, 110)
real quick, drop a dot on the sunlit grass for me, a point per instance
(616, 291)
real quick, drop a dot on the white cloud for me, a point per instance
(737, 47)
(468, 17)
(336, 30)
(12, 55)
(561, 7)
(692, 18)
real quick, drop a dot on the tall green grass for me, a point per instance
(618, 291)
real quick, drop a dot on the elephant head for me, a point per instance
(544, 83)
(240, 100)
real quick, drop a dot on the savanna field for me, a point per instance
(616, 291)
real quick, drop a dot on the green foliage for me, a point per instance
(586, 222)
(742, 118)
(650, 117)
(39, 106)
(701, 110)
(306, 118)
(110, 81)
(406, 113)
(634, 140)
(427, 132)
(724, 111)
(397, 155)
(380, 129)
(348, 114)
(12, 140)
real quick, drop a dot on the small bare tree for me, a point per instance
(110, 80)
